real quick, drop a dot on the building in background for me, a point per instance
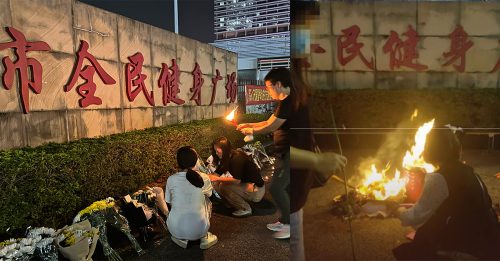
(258, 30)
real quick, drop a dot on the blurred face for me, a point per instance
(218, 151)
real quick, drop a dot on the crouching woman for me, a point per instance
(454, 215)
(240, 181)
(187, 191)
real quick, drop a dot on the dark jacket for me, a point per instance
(465, 221)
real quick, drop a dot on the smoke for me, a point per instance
(396, 142)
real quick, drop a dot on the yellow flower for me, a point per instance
(6, 243)
(89, 234)
(70, 236)
(96, 206)
(70, 240)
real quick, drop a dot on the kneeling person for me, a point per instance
(243, 184)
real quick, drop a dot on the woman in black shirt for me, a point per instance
(239, 180)
(279, 86)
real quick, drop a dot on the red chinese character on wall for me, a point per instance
(316, 48)
(169, 82)
(87, 90)
(497, 67)
(402, 53)
(30, 70)
(134, 76)
(348, 43)
(197, 83)
(459, 46)
(231, 87)
(214, 82)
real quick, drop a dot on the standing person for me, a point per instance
(239, 180)
(303, 159)
(454, 212)
(302, 163)
(280, 87)
(188, 191)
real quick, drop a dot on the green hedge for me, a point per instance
(48, 185)
(387, 108)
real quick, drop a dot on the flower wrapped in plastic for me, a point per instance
(138, 212)
(153, 198)
(143, 205)
(78, 241)
(147, 196)
(16, 249)
(38, 240)
(45, 249)
(104, 212)
(258, 154)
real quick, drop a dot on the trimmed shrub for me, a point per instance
(386, 108)
(372, 108)
(48, 185)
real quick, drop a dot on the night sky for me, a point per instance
(195, 16)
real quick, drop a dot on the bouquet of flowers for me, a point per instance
(95, 207)
(264, 162)
(102, 213)
(136, 212)
(258, 154)
(17, 249)
(38, 242)
(146, 197)
(78, 241)
(144, 208)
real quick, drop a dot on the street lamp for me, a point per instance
(176, 17)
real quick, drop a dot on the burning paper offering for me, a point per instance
(231, 117)
(376, 183)
(378, 187)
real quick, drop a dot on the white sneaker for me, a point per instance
(180, 242)
(242, 212)
(208, 241)
(275, 226)
(284, 233)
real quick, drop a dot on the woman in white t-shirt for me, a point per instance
(187, 191)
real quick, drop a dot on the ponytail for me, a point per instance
(194, 178)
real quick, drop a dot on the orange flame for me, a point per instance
(380, 187)
(230, 116)
(414, 115)
(414, 158)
